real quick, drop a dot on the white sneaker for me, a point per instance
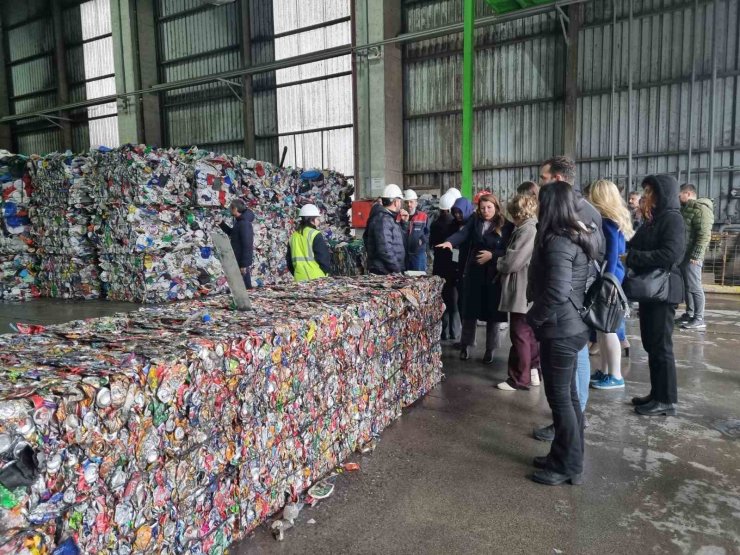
(535, 377)
(504, 386)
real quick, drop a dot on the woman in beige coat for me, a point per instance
(524, 355)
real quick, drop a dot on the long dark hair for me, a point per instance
(558, 216)
(498, 217)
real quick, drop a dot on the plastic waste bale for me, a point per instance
(180, 428)
(61, 211)
(162, 276)
(18, 261)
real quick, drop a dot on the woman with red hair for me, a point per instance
(481, 288)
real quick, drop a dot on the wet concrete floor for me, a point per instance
(450, 476)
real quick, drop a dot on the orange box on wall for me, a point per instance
(361, 212)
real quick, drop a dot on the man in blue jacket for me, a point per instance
(242, 238)
(384, 238)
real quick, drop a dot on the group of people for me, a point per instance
(532, 266)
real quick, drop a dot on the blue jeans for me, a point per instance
(583, 376)
(417, 262)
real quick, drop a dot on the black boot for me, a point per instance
(656, 408)
(540, 462)
(464, 352)
(637, 401)
(545, 434)
(488, 357)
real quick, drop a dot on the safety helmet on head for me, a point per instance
(392, 191)
(446, 202)
(454, 193)
(410, 194)
(309, 211)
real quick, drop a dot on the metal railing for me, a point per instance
(723, 257)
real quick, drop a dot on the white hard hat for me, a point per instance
(392, 191)
(410, 194)
(454, 193)
(446, 201)
(309, 211)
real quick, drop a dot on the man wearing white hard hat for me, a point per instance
(308, 254)
(445, 267)
(415, 224)
(384, 241)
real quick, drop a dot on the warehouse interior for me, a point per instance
(329, 102)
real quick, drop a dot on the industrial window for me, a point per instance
(314, 101)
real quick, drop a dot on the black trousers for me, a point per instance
(558, 358)
(451, 318)
(656, 330)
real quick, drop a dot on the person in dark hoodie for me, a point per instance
(242, 238)
(384, 239)
(481, 286)
(462, 210)
(445, 267)
(659, 244)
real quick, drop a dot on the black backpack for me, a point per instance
(605, 305)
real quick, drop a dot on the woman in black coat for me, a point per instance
(481, 288)
(556, 287)
(659, 243)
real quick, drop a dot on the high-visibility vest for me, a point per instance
(305, 266)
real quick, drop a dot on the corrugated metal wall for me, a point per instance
(306, 108)
(31, 71)
(519, 95)
(518, 98)
(197, 39)
(667, 38)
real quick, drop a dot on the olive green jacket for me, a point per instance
(699, 218)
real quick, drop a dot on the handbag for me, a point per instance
(605, 304)
(648, 287)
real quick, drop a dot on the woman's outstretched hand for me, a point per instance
(445, 245)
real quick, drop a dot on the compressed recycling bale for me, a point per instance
(183, 427)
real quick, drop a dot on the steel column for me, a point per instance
(60, 59)
(467, 97)
(570, 109)
(629, 98)
(250, 148)
(694, 49)
(713, 95)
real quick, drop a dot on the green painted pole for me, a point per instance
(467, 102)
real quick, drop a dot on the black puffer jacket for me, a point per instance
(385, 244)
(661, 241)
(557, 285)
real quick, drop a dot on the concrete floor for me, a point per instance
(451, 475)
(57, 311)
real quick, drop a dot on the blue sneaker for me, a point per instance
(609, 382)
(597, 376)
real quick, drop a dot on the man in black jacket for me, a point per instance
(561, 168)
(242, 238)
(384, 238)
